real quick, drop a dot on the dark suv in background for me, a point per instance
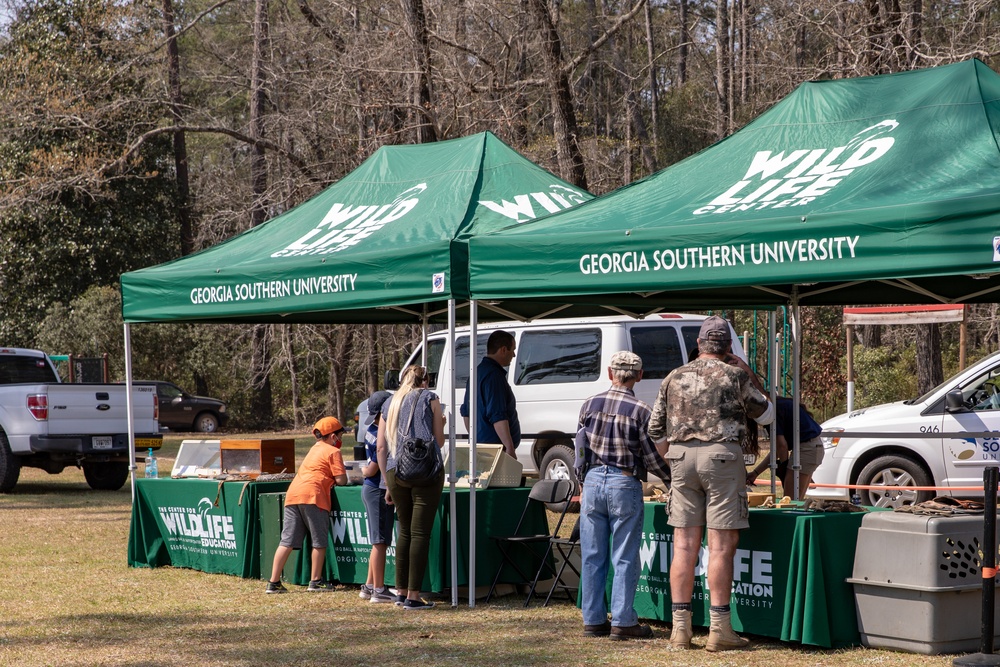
(180, 411)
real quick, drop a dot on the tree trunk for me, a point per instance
(897, 21)
(636, 124)
(929, 371)
(914, 32)
(262, 400)
(423, 117)
(371, 360)
(685, 39)
(654, 84)
(568, 153)
(874, 51)
(871, 335)
(338, 345)
(180, 142)
(287, 332)
(261, 396)
(746, 51)
(258, 107)
(722, 68)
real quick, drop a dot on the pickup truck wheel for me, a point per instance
(893, 470)
(106, 476)
(558, 464)
(206, 422)
(10, 466)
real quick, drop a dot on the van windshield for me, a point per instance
(925, 397)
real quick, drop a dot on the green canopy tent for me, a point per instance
(875, 190)
(385, 244)
(882, 189)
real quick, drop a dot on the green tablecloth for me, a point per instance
(194, 523)
(497, 512)
(789, 576)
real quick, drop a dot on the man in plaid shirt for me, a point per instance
(614, 451)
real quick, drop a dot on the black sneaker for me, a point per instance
(366, 592)
(400, 600)
(320, 586)
(275, 587)
(416, 605)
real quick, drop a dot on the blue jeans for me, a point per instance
(610, 531)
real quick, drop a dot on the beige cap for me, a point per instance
(626, 361)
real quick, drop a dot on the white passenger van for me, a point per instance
(558, 364)
(920, 453)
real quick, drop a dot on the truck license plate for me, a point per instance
(103, 442)
(147, 443)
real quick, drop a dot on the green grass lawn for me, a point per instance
(70, 599)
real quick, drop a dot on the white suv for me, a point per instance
(916, 449)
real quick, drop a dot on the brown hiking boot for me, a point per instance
(721, 636)
(680, 635)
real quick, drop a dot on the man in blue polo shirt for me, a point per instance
(496, 408)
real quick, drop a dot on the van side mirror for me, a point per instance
(954, 402)
(391, 380)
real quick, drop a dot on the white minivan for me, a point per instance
(933, 440)
(560, 363)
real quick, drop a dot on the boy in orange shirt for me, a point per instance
(307, 505)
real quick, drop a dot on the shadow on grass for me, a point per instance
(355, 635)
(62, 494)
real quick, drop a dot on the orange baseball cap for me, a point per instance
(328, 425)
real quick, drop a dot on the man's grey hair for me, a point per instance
(622, 376)
(713, 346)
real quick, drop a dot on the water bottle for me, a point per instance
(151, 470)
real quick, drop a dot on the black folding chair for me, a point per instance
(565, 546)
(517, 548)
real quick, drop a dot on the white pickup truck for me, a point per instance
(47, 424)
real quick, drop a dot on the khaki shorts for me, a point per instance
(707, 486)
(810, 456)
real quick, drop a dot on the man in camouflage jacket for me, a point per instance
(702, 410)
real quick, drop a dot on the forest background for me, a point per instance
(136, 132)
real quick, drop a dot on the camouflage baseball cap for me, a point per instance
(715, 328)
(626, 361)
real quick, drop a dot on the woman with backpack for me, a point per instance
(411, 420)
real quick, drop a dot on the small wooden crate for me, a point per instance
(256, 457)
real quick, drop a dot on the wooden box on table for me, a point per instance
(256, 457)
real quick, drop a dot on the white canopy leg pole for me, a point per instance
(453, 504)
(128, 406)
(423, 338)
(796, 391)
(473, 468)
(774, 370)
